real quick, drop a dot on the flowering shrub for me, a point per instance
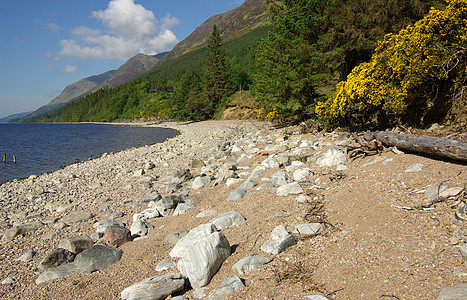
(408, 76)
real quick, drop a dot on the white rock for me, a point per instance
(279, 240)
(333, 157)
(301, 174)
(249, 263)
(204, 258)
(288, 189)
(195, 234)
(199, 182)
(154, 288)
(228, 219)
(231, 284)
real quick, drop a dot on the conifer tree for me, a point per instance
(216, 83)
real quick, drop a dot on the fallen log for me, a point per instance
(454, 149)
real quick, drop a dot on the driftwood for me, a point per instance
(454, 149)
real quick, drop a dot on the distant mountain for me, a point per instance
(14, 117)
(134, 67)
(232, 24)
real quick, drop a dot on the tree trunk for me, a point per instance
(444, 147)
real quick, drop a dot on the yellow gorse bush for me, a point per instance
(400, 81)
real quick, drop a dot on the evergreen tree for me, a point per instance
(216, 84)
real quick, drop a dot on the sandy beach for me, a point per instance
(381, 236)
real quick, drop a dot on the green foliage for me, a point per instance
(315, 42)
(413, 77)
(216, 84)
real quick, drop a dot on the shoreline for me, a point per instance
(368, 233)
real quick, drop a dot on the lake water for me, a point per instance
(42, 148)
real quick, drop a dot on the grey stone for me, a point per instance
(182, 176)
(148, 213)
(458, 292)
(56, 258)
(228, 219)
(140, 227)
(461, 213)
(279, 240)
(153, 196)
(451, 192)
(280, 178)
(435, 190)
(183, 208)
(116, 215)
(301, 174)
(55, 273)
(236, 195)
(166, 205)
(154, 288)
(204, 258)
(28, 256)
(195, 234)
(175, 236)
(165, 265)
(207, 213)
(316, 297)
(76, 216)
(76, 244)
(229, 285)
(172, 187)
(270, 163)
(463, 250)
(333, 157)
(249, 263)
(414, 168)
(341, 168)
(199, 182)
(10, 234)
(248, 184)
(289, 189)
(8, 280)
(231, 181)
(307, 230)
(265, 186)
(283, 160)
(96, 258)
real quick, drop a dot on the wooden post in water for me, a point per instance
(14, 159)
(4, 158)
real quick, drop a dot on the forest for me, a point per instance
(347, 63)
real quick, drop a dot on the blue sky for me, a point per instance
(46, 45)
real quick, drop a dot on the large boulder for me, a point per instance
(195, 234)
(204, 258)
(116, 235)
(155, 288)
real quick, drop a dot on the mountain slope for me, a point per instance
(234, 23)
(14, 117)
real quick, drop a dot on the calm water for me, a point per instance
(42, 148)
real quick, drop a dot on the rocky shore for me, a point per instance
(238, 210)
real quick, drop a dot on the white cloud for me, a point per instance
(53, 27)
(129, 29)
(70, 69)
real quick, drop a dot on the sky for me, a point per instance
(47, 45)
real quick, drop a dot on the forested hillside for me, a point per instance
(355, 63)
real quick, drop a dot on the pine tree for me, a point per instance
(216, 83)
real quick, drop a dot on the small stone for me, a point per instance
(303, 199)
(280, 178)
(341, 168)
(307, 230)
(463, 250)
(316, 297)
(10, 234)
(55, 273)
(207, 213)
(174, 237)
(199, 182)
(76, 244)
(249, 263)
(266, 186)
(165, 265)
(457, 292)
(76, 216)
(435, 190)
(236, 195)
(229, 285)
(248, 184)
(333, 157)
(461, 213)
(183, 208)
(451, 192)
(279, 240)
(116, 235)
(8, 280)
(197, 163)
(28, 256)
(96, 258)
(414, 168)
(56, 258)
(301, 174)
(155, 288)
(289, 189)
(229, 219)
